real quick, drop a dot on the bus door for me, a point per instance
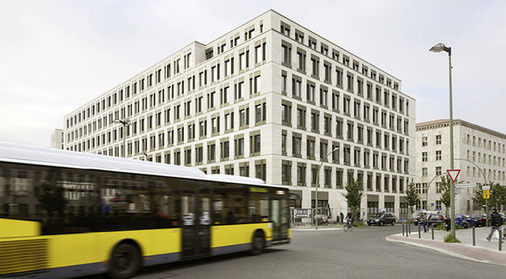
(196, 214)
(279, 217)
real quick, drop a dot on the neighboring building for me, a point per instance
(269, 99)
(57, 139)
(476, 149)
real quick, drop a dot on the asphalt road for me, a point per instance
(362, 253)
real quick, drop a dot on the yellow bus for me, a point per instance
(67, 214)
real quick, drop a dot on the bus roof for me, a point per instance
(25, 154)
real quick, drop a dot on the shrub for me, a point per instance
(449, 238)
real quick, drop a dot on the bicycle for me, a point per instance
(347, 226)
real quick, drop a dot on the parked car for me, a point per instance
(464, 221)
(385, 218)
(479, 220)
(435, 219)
(419, 216)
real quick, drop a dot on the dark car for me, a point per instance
(479, 220)
(385, 218)
(435, 220)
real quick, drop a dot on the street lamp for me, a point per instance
(427, 193)
(318, 182)
(484, 180)
(439, 48)
(125, 123)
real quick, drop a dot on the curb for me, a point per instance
(459, 250)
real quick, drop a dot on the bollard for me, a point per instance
(432, 232)
(474, 236)
(403, 229)
(500, 239)
(419, 233)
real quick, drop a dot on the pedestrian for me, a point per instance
(496, 220)
(342, 218)
(423, 218)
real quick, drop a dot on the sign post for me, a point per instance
(453, 173)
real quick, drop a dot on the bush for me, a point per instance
(449, 238)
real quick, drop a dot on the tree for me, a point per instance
(445, 187)
(478, 197)
(354, 190)
(497, 196)
(412, 196)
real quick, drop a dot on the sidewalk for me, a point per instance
(484, 251)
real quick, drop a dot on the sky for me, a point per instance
(57, 55)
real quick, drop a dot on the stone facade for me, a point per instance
(476, 150)
(269, 99)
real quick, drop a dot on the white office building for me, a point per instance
(269, 99)
(479, 155)
(57, 139)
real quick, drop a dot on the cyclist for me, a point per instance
(349, 219)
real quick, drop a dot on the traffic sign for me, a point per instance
(302, 213)
(486, 194)
(453, 174)
(465, 185)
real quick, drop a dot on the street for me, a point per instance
(362, 253)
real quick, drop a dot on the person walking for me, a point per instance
(496, 220)
(424, 222)
(342, 217)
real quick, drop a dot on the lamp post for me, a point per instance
(439, 48)
(427, 193)
(318, 182)
(125, 123)
(484, 181)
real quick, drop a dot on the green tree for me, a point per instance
(412, 196)
(478, 197)
(354, 191)
(497, 196)
(445, 187)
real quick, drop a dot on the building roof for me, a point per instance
(439, 123)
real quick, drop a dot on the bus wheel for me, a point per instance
(258, 243)
(125, 261)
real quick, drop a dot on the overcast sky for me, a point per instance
(55, 56)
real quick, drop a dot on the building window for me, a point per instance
(286, 111)
(286, 172)
(424, 156)
(301, 175)
(438, 170)
(438, 139)
(296, 88)
(239, 147)
(286, 54)
(297, 146)
(438, 155)
(255, 144)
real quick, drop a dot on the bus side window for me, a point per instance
(259, 207)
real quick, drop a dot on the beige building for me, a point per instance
(477, 150)
(57, 139)
(269, 99)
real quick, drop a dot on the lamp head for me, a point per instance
(441, 47)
